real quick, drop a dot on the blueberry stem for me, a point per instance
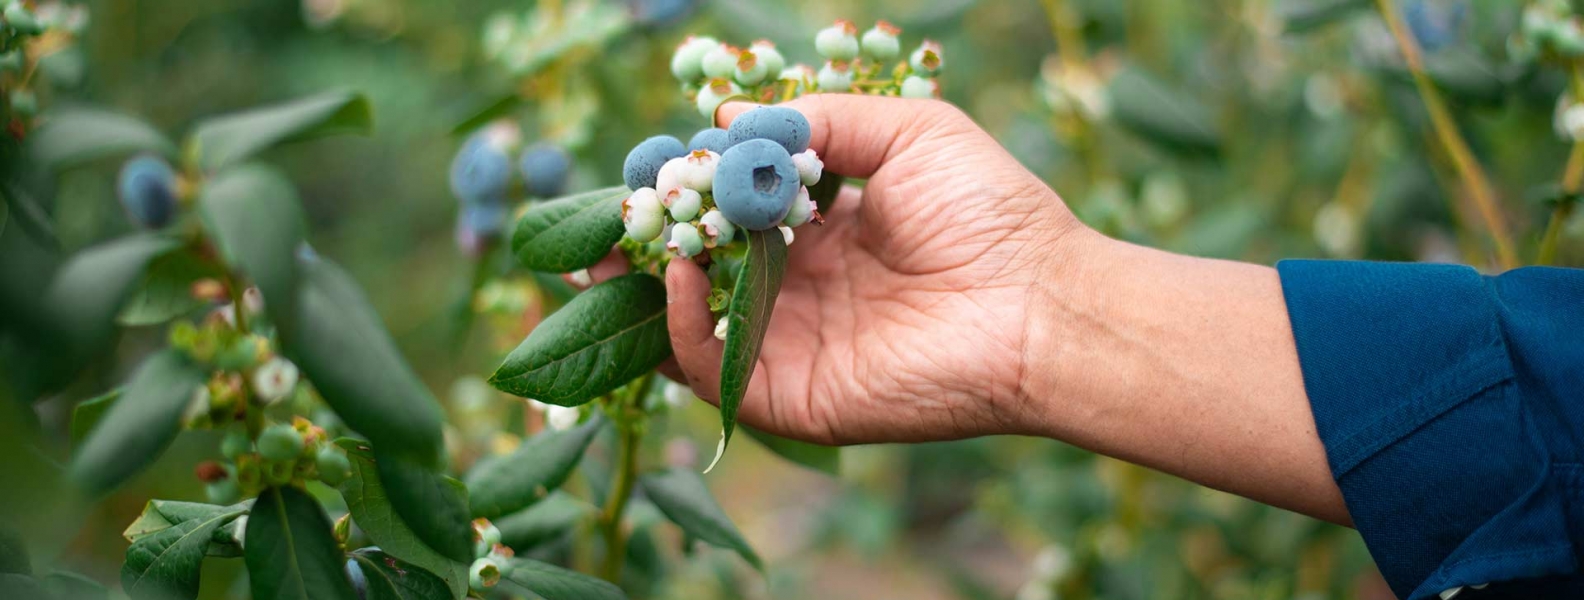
(1572, 181)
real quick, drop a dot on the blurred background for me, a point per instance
(1248, 129)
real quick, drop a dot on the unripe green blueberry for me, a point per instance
(223, 491)
(683, 204)
(926, 60)
(485, 536)
(769, 55)
(717, 230)
(713, 94)
(802, 210)
(643, 215)
(280, 442)
(483, 575)
(235, 444)
(880, 43)
(687, 64)
(838, 42)
(279, 473)
(920, 87)
(750, 70)
(333, 465)
(696, 172)
(835, 77)
(720, 62)
(685, 240)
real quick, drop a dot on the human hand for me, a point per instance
(903, 317)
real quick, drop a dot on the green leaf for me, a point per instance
(69, 138)
(87, 292)
(681, 496)
(571, 233)
(13, 553)
(532, 578)
(391, 579)
(825, 459)
(501, 107)
(290, 553)
(598, 342)
(257, 222)
(1308, 15)
(1170, 118)
(433, 505)
(371, 508)
(28, 216)
(139, 426)
(540, 465)
(15, 585)
(166, 563)
(159, 515)
(545, 521)
(825, 191)
(748, 318)
(231, 139)
(166, 289)
(65, 585)
(87, 414)
(343, 348)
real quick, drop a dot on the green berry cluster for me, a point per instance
(492, 558)
(278, 454)
(712, 71)
(1549, 29)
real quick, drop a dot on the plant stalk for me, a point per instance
(625, 474)
(1468, 167)
(1572, 181)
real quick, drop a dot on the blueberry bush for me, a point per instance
(257, 343)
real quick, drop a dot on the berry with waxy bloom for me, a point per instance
(687, 64)
(755, 184)
(713, 94)
(767, 53)
(750, 69)
(643, 215)
(643, 162)
(147, 188)
(713, 139)
(837, 42)
(354, 573)
(545, 168)
(779, 124)
(717, 230)
(880, 42)
(481, 171)
(685, 240)
(809, 166)
(835, 77)
(683, 204)
(720, 62)
(926, 60)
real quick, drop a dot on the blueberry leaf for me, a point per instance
(1167, 117)
(748, 318)
(166, 289)
(534, 579)
(69, 138)
(256, 220)
(86, 293)
(602, 339)
(290, 553)
(87, 414)
(825, 459)
(682, 497)
(166, 562)
(233, 138)
(500, 107)
(391, 579)
(65, 585)
(434, 506)
(159, 515)
(138, 427)
(570, 233)
(540, 465)
(343, 348)
(371, 509)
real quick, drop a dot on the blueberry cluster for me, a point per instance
(20, 29)
(711, 71)
(280, 454)
(752, 176)
(481, 177)
(492, 557)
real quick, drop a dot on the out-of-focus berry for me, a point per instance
(643, 215)
(24, 103)
(644, 161)
(280, 442)
(717, 230)
(838, 42)
(274, 380)
(655, 14)
(720, 62)
(750, 69)
(880, 43)
(147, 188)
(712, 139)
(478, 224)
(359, 580)
(19, 18)
(562, 418)
(920, 87)
(755, 184)
(685, 240)
(769, 55)
(481, 171)
(779, 124)
(236, 443)
(835, 77)
(223, 491)
(333, 465)
(713, 94)
(687, 63)
(545, 168)
(926, 60)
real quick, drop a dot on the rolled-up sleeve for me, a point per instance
(1451, 406)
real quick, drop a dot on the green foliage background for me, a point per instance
(1225, 136)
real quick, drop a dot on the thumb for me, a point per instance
(855, 134)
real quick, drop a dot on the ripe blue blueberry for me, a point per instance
(835, 77)
(482, 168)
(687, 64)
(713, 94)
(147, 187)
(779, 124)
(544, 170)
(920, 87)
(720, 62)
(880, 43)
(767, 53)
(644, 161)
(685, 240)
(838, 42)
(926, 60)
(713, 139)
(755, 184)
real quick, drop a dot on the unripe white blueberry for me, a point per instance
(718, 231)
(809, 166)
(720, 62)
(837, 42)
(750, 69)
(769, 55)
(920, 87)
(698, 170)
(670, 176)
(720, 328)
(880, 43)
(802, 210)
(926, 60)
(687, 64)
(835, 77)
(684, 204)
(274, 380)
(537, 406)
(1572, 122)
(713, 94)
(786, 234)
(562, 418)
(678, 395)
(685, 240)
(483, 574)
(643, 215)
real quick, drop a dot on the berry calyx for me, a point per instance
(926, 60)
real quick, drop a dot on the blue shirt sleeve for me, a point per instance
(1451, 407)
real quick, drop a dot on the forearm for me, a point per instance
(1181, 364)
